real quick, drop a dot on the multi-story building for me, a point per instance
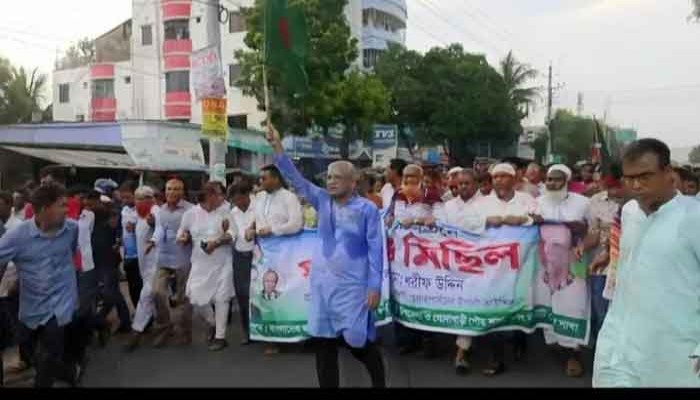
(142, 67)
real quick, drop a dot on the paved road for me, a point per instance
(246, 366)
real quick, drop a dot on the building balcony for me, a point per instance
(178, 105)
(102, 71)
(397, 8)
(103, 110)
(176, 9)
(177, 47)
(177, 62)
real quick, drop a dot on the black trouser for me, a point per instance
(497, 343)
(50, 358)
(133, 278)
(409, 337)
(327, 362)
(242, 263)
(81, 330)
(111, 296)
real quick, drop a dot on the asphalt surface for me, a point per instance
(247, 366)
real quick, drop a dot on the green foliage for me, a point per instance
(20, 93)
(450, 97)
(78, 54)
(573, 136)
(694, 156)
(515, 76)
(331, 52)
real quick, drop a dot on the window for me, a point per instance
(238, 121)
(370, 57)
(127, 80)
(234, 73)
(177, 81)
(177, 29)
(103, 89)
(146, 35)
(365, 17)
(236, 22)
(64, 93)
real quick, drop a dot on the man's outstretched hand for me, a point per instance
(273, 137)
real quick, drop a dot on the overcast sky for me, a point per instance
(637, 59)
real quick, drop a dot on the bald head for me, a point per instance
(342, 180)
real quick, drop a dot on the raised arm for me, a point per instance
(303, 187)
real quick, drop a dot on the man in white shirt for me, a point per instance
(506, 207)
(210, 283)
(452, 184)
(278, 211)
(242, 233)
(557, 204)
(463, 212)
(393, 175)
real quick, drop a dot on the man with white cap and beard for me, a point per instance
(506, 207)
(569, 295)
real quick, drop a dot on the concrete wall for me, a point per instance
(78, 80)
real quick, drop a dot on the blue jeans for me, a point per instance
(599, 304)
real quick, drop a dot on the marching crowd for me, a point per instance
(635, 227)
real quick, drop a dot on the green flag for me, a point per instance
(286, 43)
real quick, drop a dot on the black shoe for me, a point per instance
(218, 345)
(494, 368)
(462, 367)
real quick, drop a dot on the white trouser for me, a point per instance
(146, 308)
(464, 342)
(217, 318)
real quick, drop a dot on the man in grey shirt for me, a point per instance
(173, 262)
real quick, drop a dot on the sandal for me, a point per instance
(494, 368)
(574, 369)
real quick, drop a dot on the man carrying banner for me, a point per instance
(651, 335)
(346, 277)
(462, 212)
(278, 212)
(567, 294)
(415, 205)
(506, 207)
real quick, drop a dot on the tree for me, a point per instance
(78, 54)
(20, 94)
(450, 97)
(573, 136)
(694, 156)
(516, 75)
(331, 52)
(362, 100)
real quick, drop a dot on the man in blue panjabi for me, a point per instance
(346, 275)
(651, 335)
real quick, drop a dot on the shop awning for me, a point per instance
(252, 141)
(77, 158)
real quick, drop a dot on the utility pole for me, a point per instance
(550, 95)
(217, 148)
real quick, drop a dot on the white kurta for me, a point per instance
(279, 211)
(573, 297)
(387, 194)
(521, 205)
(86, 224)
(211, 277)
(147, 267)
(462, 214)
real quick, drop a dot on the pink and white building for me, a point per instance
(142, 68)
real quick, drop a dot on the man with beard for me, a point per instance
(651, 335)
(566, 292)
(452, 185)
(506, 207)
(463, 212)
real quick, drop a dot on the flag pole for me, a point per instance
(266, 89)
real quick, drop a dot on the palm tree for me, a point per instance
(24, 95)
(515, 76)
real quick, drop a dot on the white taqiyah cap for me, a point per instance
(455, 170)
(503, 168)
(561, 168)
